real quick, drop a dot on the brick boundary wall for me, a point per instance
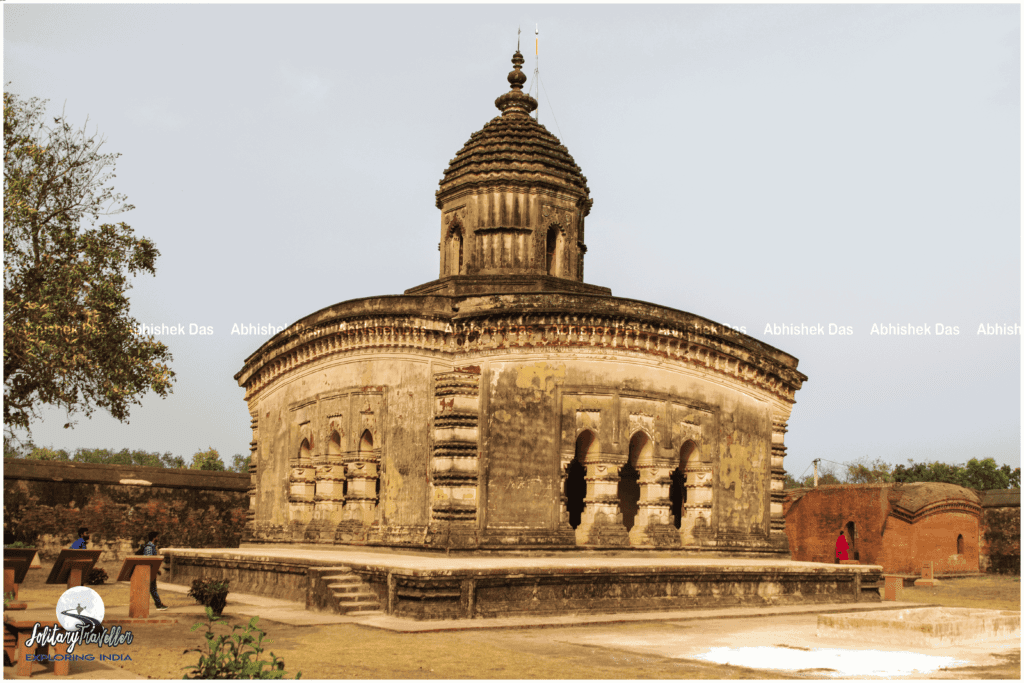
(1000, 529)
(998, 525)
(76, 485)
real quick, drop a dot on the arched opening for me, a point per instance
(677, 489)
(305, 452)
(366, 446)
(455, 252)
(575, 480)
(553, 243)
(640, 447)
(960, 544)
(851, 539)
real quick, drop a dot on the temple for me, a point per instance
(510, 405)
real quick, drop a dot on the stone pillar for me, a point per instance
(250, 523)
(697, 508)
(653, 527)
(328, 498)
(361, 501)
(778, 484)
(301, 487)
(454, 470)
(601, 523)
(563, 499)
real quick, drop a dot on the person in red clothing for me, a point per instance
(841, 547)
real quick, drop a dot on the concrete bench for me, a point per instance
(21, 629)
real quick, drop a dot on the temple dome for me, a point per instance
(514, 150)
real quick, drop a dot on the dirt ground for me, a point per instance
(608, 651)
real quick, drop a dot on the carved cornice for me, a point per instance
(717, 351)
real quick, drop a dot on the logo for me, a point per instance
(80, 608)
(80, 612)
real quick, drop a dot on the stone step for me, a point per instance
(345, 582)
(363, 612)
(356, 598)
(351, 594)
(346, 587)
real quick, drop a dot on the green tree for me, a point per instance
(12, 448)
(207, 460)
(865, 472)
(105, 456)
(69, 340)
(173, 461)
(980, 475)
(240, 463)
(39, 453)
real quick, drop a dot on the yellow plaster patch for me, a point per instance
(732, 470)
(540, 376)
(502, 416)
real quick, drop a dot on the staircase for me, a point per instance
(352, 596)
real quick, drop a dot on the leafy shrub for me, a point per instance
(234, 655)
(210, 592)
(96, 577)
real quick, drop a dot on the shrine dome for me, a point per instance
(514, 149)
(513, 203)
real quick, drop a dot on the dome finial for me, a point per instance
(516, 76)
(516, 102)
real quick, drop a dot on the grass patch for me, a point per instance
(982, 592)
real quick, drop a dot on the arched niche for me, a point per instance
(456, 251)
(554, 257)
(366, 453)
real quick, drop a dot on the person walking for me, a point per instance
(841, 547)
(150, 549)
(83, 539)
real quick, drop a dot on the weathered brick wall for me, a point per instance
(1000, 542)
(813, 522)
(36, 485)
(814, 518)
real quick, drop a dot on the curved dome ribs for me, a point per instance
(516, 148)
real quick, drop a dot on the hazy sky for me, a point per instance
(756, 165)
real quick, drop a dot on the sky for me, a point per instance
(855, 166)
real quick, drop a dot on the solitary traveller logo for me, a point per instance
(80, 612)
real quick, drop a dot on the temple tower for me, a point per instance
(513, 201)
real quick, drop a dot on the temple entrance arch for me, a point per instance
(575, 481)
(677, 491)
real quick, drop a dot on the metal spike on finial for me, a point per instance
(518, 33)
